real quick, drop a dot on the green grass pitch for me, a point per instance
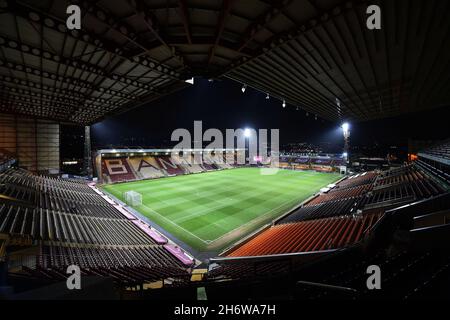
(209, 211)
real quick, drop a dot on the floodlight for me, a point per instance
(243, 88)
(191, 80)
(345, 154)
(346, 130)
(267, 96)
(284, 103)
(345, 126)
(247, 132)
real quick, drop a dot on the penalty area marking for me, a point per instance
(225, 234)
(170, 221)
(208, 242)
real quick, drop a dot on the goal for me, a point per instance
(133, 198)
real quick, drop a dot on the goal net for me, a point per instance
(133, 198)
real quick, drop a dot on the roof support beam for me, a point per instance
(261, 21)
(185, 18)
(90, 38)
(226, 6)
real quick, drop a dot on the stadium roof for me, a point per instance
(138, 151)
(316, 54)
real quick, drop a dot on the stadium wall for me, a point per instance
(34, 142)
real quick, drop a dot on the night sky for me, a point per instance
(221, 104)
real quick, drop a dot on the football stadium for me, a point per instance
(191, 206)
(212, 151)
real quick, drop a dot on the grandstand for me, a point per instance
(355, 214)
(154, 222)
(66, 222)
(121, 165)
(436, 160)
(343, 215)
(328, 163)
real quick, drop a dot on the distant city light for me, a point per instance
(66, 163)
(243, 88)
(284, 103)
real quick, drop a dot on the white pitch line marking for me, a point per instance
(209, 209)
(248, 222)
(170, 221)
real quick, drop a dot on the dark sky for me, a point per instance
(221, 104)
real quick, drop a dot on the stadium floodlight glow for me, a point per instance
(345, 126)
(284, 103)
(346, 130)
(247, 132)
(243, 88)
(191, 80)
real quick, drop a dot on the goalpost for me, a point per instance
(133, 198)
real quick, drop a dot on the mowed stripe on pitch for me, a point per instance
(209, 205)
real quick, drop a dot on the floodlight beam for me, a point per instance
(247, 132)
